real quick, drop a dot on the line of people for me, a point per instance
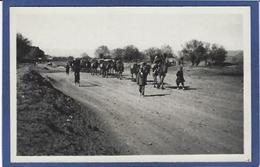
(159, 69)
(105, 66)
(141, 78)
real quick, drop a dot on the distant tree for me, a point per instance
(152, 52)
(48, 56)
(180, 58)
(143, 57)
(84, 59)
(217, 54)
(237, 58)
(102, 52)
(118, 53)
(36, 53)
(23, 46)
(70, 59)
(206, 56)
(132, 53)
(59, 58)
(167, 50)
(26, 52)
(85, 56)
(195, 51)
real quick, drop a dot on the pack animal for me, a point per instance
(160, 70)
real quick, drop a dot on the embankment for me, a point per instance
(51, 123)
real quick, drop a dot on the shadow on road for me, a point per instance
(185, 87)
(88, 85)
(156, 95)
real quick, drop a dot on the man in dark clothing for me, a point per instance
(141, 78)
(67, 68)
(76, 65)
(180, 78)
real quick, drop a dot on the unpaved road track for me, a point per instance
(206, 119)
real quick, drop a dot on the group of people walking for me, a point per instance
(106, 67)
(141, 77)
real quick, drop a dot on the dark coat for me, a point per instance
(77, 66)
(141, 77)
(180, 77)
(67, 68)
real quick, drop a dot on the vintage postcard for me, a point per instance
(153, 83)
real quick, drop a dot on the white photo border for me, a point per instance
(246, 157)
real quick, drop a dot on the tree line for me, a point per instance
(197, 51)
(26, 52)
(131, 53)
(193, 51)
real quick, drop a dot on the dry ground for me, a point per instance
(207, 118)
(51, 123)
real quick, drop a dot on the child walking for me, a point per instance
(180, 78)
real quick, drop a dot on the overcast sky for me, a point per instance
(71, 31)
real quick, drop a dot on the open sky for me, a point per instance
(72, 31)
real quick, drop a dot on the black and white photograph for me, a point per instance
(130, 84)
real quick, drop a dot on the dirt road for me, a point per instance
(205, 119)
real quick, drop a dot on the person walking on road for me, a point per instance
(180, 78)
(67, 68)
(141, 78)
(76, 66)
